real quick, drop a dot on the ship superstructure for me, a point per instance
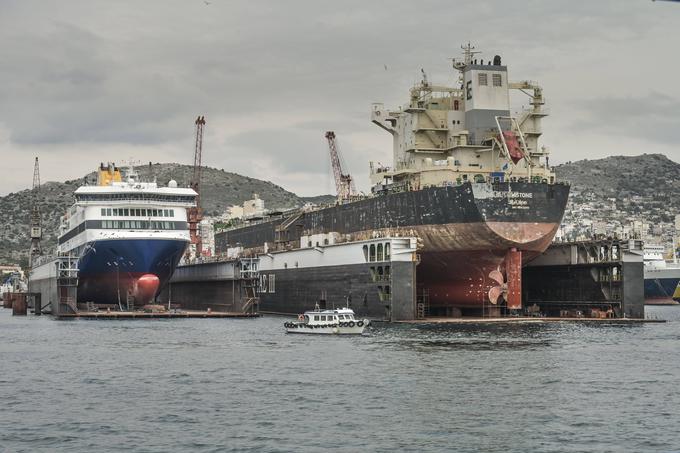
(470, 184)
(453, 135)
(127, 235)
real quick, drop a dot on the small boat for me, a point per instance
(339, 321)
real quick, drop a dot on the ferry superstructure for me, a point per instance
(470, 183)
(127, 235)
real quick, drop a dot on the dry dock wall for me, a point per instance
(204, 285)
(357, 286)
(587, 275)
(44, 282)
(219, 286)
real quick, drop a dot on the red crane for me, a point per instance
(344, 184)
(195, 214)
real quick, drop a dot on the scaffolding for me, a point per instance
(423, 303)
(250, 277)
(67, 284)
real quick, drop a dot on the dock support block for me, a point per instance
(19, 305)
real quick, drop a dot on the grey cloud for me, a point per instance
(654, 116)
(289, 150)
(137, 73)
(73, 82)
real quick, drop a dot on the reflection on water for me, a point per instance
(666, 312)
(462, 336)
(244, 385)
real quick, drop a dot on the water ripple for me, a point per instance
(243, 385)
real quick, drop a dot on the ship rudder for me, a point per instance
(513, 270)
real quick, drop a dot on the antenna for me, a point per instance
(131, 172)
(468, 52)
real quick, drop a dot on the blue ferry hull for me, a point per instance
(109, 269)
(660, 288)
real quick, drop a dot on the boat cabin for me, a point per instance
(328, 317)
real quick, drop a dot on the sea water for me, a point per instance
(213, 385)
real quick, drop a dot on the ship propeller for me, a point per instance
(500, 290)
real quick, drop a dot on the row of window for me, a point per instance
(139, 225)
(137, 212)
(495, 78)
(377, 253)
(122, 224)
(136, 197)
(333, 317)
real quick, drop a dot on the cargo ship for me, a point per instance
(469, 184)
(125, 236)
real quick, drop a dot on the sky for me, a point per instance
(83, 82)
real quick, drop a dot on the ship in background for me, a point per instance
(127, 237)
(662, 277)
(470, 190)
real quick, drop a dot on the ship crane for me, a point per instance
(195, 214)
(36, 221)
(344, 184)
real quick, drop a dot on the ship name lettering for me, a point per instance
(497, 194)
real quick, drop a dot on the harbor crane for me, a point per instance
(195, 214)
(344, 184)
(36, 220)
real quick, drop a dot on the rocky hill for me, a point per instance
(645, 186)
(625, 196)
(647, 175)
(220, 189)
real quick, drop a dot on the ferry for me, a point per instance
(127, 236)
(328, 322)
(662, 278)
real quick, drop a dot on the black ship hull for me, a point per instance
(465, 232)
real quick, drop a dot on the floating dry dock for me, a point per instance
(223, 291)
(527, 320)
(154, 315)
(595, 281)
(599, 281)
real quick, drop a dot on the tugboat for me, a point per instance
(339, 321)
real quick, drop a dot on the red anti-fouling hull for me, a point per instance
(463, 278)
(111, 288)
